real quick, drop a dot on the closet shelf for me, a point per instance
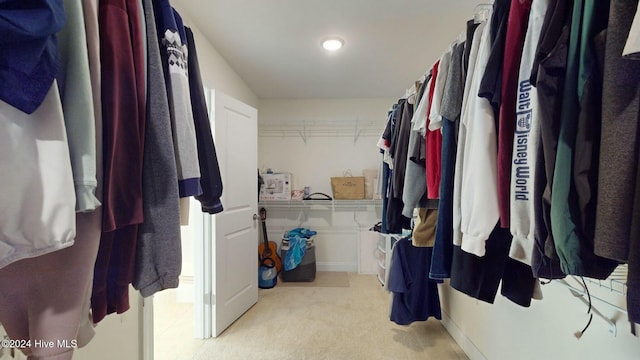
(615, 285)
(326, 205)
(616, 282)
(306, 129)
(581, 293)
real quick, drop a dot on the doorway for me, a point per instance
(218, 282)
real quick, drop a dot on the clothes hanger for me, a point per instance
(482, 12)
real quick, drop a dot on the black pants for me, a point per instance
(479, 277)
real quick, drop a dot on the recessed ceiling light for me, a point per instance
(332, 44)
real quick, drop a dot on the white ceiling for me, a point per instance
(274, 45)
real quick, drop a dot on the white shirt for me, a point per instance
(462, 135)
(479, 176)
(419, 119)
(435, 116)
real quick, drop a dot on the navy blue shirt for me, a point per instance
(29, 57)
(415, 296)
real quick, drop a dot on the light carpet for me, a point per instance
(322, 279)
(327, 323)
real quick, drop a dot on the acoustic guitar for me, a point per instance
(268, 250)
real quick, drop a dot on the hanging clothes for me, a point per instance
(517, 25)
(414, 170)
(123, 109)
(468, 272)
(61, 279)
(415, 297)
(572, 201)
(491, 83)
(480, 261)
(38, 205)
(433, 142)
(35, 217)
(399, 147)
(471, 29)
(619, 142)
(477, 155)
(414, 189)
(451, 106)
(434, 134)
(90, 13)
(414, 193)
(525, 144)
(175, 63)
(158, 247)
(76, 94)
(435, 111)
(617, 226)
(123, 115)
(462, 135)
(548, 76)
(633, 277)
(424, 229)
(210, 178)
(395, 220)
(385, 145)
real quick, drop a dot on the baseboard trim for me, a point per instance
(333, 266)
(463, 341)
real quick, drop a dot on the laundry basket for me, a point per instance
(306, 270)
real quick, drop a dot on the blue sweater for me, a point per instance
(29, 57)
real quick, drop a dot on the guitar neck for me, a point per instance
(264, 234)
(263, 219)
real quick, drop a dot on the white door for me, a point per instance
(226, 261)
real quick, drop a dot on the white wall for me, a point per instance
(215, 70)
(340, 134)
(117, 336)
(505, 331)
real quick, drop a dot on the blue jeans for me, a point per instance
(443, 247)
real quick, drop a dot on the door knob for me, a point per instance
(255, 216)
